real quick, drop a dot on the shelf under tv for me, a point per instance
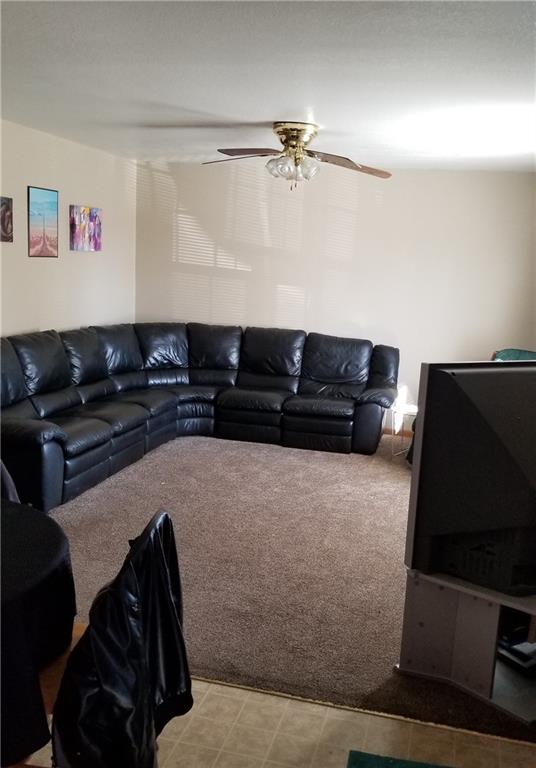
(450, 634)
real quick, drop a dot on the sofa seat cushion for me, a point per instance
(238, 399)
(156, 401)
(82, 434)
(328, 407)
(194, 393)
(122, 417)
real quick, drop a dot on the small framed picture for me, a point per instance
(6, 219)
(42, 222)
(85, 228)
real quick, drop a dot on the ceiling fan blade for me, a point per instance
(229, 159)
(248, 151)
(345, 162)
(198, 126)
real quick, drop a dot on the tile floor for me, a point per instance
(232, 727)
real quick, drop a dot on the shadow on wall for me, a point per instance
(230, 244)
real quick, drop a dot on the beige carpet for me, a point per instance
(292, 569)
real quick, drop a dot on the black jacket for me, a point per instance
(128, 674)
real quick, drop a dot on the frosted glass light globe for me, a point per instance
(309, 167)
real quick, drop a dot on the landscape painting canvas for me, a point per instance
(85, 226)
(6, 219)
(42, 222)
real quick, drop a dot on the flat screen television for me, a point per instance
(472, 511)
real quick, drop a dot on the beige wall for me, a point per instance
(439, 264)
(75, 289)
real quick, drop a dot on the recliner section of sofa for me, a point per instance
(213, 354)
(268, 374)
(125, 367)
(79, 405)
(334, 373)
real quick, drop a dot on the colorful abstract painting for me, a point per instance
(6, 219)
(42, 222)
(85, 225)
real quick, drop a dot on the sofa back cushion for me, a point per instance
(164, 349)
(24, 409)
(384, 367)
(271, 358)
(43, 360)
(48, 403)
(12, 386)
(121, 350)
(120, 347)
(334, 366)
(214, 353)
(85, 355)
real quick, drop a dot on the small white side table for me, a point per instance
(399, 414)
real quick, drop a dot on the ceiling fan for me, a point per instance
(295, 162)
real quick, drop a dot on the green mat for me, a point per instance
(364, 760)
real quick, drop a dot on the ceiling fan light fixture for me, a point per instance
(309, 167)
(292, 168)
(294, 162)
(271, 167)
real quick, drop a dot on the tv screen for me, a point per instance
(473, 491)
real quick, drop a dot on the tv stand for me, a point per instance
(450, 634)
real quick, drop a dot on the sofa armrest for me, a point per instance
(21, 433)
(381, 396)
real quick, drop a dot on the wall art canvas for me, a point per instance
(85, 225)
(42, 222)
(6, 219)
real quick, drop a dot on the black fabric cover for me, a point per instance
(329, 407)
(271, 358)
(43, 360)
(163, 345)
(85, 355)
(251, 400)
(384, 367)
(38, 608)
(334, 366)
(128, 675)
(120, 347)
(13, 387)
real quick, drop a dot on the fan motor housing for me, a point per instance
(293, 135)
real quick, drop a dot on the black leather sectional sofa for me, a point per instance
(79, 405)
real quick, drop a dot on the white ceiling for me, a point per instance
(392, 84)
